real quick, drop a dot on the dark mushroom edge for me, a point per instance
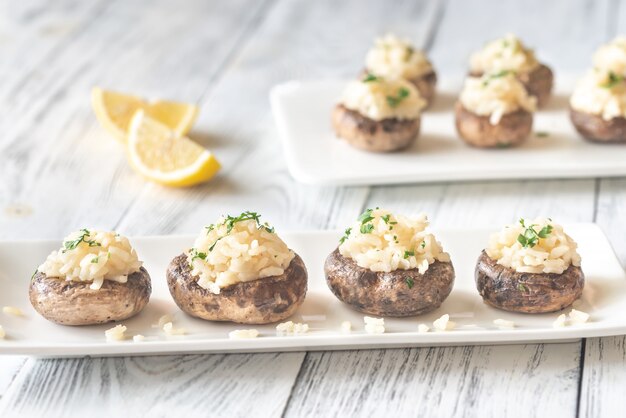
(261, 301)
(74, 303)
(395, 294)
(361, 132)
(506, 289)
(595, 129)
(426, 85)
(476, 130)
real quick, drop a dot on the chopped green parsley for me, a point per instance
(230, 222)
(346, 235)
(394, 101)
(369, 78)
(614, 80)
(73, 244)
(530, 237)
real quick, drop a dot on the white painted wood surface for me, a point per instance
(60, 171)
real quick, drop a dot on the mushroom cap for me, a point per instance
(397, 293)
(476, 130)
(75, 303)
(361, 132)
(261, 301)
(595, 129)
(504, 288)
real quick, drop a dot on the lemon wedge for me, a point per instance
(160, 154)
(115, 110)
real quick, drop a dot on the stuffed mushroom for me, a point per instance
(379, 115)
(94, 278)
(392, 57)
(494, 111)
(598, 104)
(530, 267)
(388, 265)
(239, 270)
(509, 54)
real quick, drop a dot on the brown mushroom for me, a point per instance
(396, 294)
(75, 303)
(370, 135)
(261, 301)
(476, 130)
(504, 288)
(426, 85)
(596, 129)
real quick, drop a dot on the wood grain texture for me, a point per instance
(52, 149)
(226, 55)
(604, 377)
(237, 124)
(24, 25)
(564, 33)
(491, 203)
(540, 380)
(215, 386)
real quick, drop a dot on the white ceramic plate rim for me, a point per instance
(580, 159)
(331, 338)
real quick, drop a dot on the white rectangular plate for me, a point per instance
(315, 155)
(604, 297)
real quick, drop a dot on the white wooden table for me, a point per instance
(59, 171)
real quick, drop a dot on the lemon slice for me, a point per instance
(115, 110)
(161, 155)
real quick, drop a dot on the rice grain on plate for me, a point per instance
(240, 334)
(374, 325)
(169, 329)
(291, 328)
(12, 310)
(91, 255)
(117, 333)
(578, 317)
(443, 323)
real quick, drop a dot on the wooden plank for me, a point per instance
(59, 161)
(238, 126)
(564, 33)
(491, 203)
(604, 371)
(216, 385)
(32, 27)
(603, 378)
(538, 380)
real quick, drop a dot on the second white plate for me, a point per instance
(604, 297)
(315, 155)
